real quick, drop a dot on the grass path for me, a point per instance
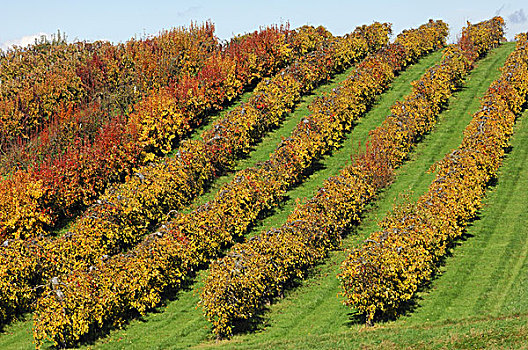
(478, 301)
(313, 309)
(183, 325)
(488, 272)
(267, 144)
(400, 88)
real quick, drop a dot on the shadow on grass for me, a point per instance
(241, 326)
(260, 320)
(20, 316)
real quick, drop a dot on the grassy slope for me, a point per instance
(186, 326)
(181, 322)
(484, 313)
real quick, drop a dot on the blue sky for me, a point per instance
(118, 21)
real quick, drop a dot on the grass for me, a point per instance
(463, 308)
(189, 327)
(269, 141)
(484, 333)
(488, 271)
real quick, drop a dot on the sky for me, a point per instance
(117, 21)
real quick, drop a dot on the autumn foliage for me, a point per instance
(81, 152)
(385, 272)
(226, 139)
(47, 78)
(226, 217)
(121, 217)
(135, 171)
(239, 285)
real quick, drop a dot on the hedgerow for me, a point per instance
(189, 240)
(126, 212)
(40, 81)
(72, 175)
(239, 285)
(385, 272)
(124, 215)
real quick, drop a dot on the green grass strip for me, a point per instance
(196, 329)
(488, 272)
(331, 164)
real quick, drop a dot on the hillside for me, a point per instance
(312, 314)
(478, 300)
